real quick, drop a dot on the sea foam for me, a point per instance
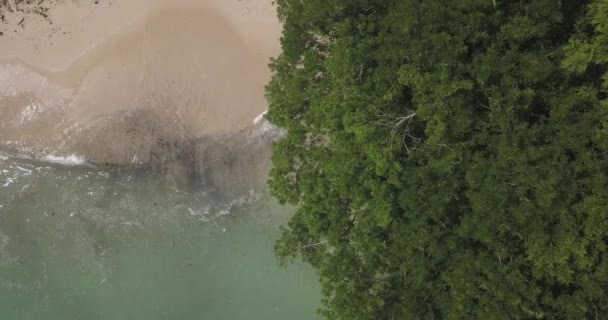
(69, 160)
(259, 118)
(266, 129)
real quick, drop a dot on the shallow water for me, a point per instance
(83, 243)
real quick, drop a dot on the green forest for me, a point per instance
(447, 159)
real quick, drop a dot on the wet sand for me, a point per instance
(157, 83)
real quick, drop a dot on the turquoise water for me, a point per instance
(82, 243)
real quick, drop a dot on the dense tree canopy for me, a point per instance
(448, 159)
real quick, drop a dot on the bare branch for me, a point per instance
(399, 123)
(314, 244)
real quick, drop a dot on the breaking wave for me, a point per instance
(69, 160)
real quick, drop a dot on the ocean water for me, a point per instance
(78, 242)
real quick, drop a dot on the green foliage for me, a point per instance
(448, 158)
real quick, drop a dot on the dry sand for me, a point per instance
(137, 81)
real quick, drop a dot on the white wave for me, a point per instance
(69, 160)
(265, 129)
(259, 118)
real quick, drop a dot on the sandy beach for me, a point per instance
(162, 83)
(179, 69)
